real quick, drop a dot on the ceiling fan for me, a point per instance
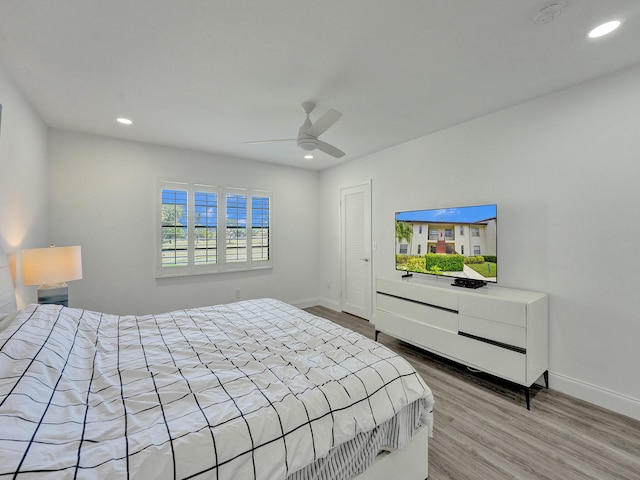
(308, 132)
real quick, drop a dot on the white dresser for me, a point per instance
(500, 331)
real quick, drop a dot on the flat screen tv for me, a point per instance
(458, 242)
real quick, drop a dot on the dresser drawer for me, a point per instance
(498, 310)
(493, 359)
(419, 312)
(497, 332)
(438, 297)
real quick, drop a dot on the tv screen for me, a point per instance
(456, 242)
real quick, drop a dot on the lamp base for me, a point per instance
(57, 294)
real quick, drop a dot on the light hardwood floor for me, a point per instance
(483, 431)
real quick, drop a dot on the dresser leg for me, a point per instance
(546, 378)
(376, 337)
(527, 398)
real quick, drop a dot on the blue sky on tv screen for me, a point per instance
(470, 214)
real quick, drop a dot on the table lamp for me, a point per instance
(51, 268)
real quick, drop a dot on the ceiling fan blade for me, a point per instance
(324, 122)
(275, 140)
(330, 149)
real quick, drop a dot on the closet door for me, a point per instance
(355, 219)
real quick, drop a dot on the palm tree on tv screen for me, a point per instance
(404, 231)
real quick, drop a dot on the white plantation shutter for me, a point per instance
(260, 226)
(236, 222)
(206, 229)
(206, 226)
(174, 231)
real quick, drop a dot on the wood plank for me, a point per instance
(482, 429)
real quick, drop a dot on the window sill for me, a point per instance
(185, 273)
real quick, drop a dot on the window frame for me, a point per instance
(222, 264)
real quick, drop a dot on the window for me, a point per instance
(462, 249)
(260, 228)
(236, 220)
(173, 231)
(420, 230)
(206, 228)
(419, 249)
(461, 230)
(476, 249)
(475, 232)
(403, 249)
(203, 229)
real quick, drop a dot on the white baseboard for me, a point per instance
(330, 304)
(315, 301)
(602, 397)
(306, 302)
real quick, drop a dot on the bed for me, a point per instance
(256, 389)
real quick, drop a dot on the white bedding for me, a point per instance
(6, 319)
(250, 390)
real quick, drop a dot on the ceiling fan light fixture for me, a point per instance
(307, 144)
(308, 156)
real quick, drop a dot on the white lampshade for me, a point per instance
(45, 266)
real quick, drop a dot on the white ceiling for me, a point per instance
(210, 75)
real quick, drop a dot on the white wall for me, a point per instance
(23, 180)
(103, 194)
(565, 172)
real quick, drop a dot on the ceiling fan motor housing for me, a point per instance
(308, 143)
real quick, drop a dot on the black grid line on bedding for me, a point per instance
(155, 389)
(32, 442)
(7, 353)
(191, 391)
(256, 389)
(124, 405)
(84, 423)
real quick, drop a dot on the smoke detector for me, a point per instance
(547, 12)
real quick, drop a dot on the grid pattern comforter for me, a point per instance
(251, 390)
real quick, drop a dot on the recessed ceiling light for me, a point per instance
(604, 29)
(124, 121)
(308, 157)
